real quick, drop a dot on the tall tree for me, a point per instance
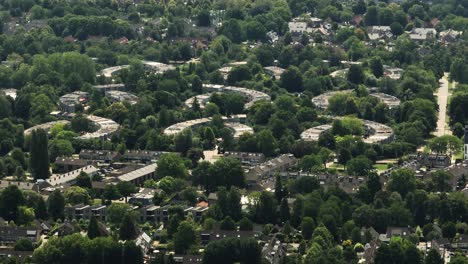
(284, 210)
(279, 189)
(356, 74)
(56, 205)
(38, 155)
(433, 257)
(93, 228)
(126, 189)
(185, 237)
(11, 198)
(40, 210)
(127, 230)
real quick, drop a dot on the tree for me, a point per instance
(224, 172)
(116, 212)
(266, 142)
(111, 192)
(291, 79)
(84, 181)
(280, 191)
(171, 164)
(56, 205)
(25, 215)
(396, 28)
(41, 209)
(232, 30)
(371, 17)
(183, 142)
(459, 70)
(402, 181)
(127, 229)
(458, 130)
(245, 224)
(228, 224)
(77, 195)
(441, 181)
(203, 18)
(265, 208)
(126, 189)
(359, 7)
(38, 155)
(239, 73)
(19, 174)
(307, 227)
(24, 244)
(185, 237)
(209, 138)
(93, 228)
(376, 66)
(285, 214)
(433, 257)
(356, 74)
(11, 198)
(359, 166)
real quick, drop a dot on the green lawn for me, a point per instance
(381, 166)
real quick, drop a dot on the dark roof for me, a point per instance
(188, 259)
(398, 231)
(221, 234)
(71, 161)
(12, 233)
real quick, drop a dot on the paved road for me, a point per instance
(442, 98)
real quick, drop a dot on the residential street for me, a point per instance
(442, 95)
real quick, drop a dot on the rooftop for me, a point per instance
(138, 173)
(70, 176)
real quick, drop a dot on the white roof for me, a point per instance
(138, 173)
(70, 176)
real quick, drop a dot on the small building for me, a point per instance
(196, 212)
(450, 36)
(141, 199)
(110, 87)
(116, 96)
(395, 232)
(154, 213)
(66, 164)
(141, 175)
(79, 211)
(274, 251)
(274, 71)
(85, 212)
(9, 235)
(143, 156)
(461, 242)
(246, 158)
(269, 168)
(99, 155)
(422, 34)
(432, 160)
(68, 177)
(68, 102)
(143, 241)
(379, 33)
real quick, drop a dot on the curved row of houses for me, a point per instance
(234, 122)
(106, 127)
(154, 66)
(378, 133)
(251, 95)
(322, 101)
